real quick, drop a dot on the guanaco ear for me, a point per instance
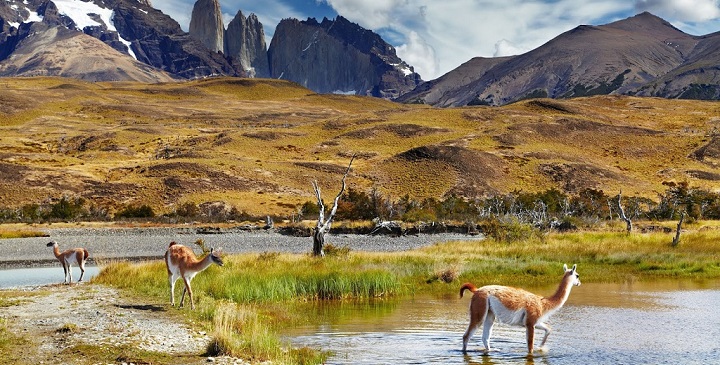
(564, 267)
(574, 267)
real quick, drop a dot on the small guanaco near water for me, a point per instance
(182, 263)
(515, 307)
(73, 256)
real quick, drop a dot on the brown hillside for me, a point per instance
(257, 144)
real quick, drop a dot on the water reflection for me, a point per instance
(41, 276)
(632, 323)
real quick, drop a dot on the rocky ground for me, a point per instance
(58, 317)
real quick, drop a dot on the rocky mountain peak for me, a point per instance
(245, 42)
(645, 23)
(206, 24)
(337, 56)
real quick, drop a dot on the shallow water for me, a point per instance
(641, 323)
(42, 276)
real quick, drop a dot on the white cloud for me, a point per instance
(419, 54)
(681, 10)
(505, 48)
(375, 14)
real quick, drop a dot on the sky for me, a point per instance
(437, 36)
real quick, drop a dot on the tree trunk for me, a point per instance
(323, 225)
(318, 242)
(676, 240)
(627, 220)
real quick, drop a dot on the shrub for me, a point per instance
(67, 208)
(512, 231)
(143, 211)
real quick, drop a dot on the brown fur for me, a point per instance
(68, 257)
(181, 262)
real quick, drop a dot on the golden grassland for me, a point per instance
(257, 143)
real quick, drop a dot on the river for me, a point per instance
(662, 322)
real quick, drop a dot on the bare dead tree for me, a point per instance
(323, 225)
(622, 213)
(676, 239)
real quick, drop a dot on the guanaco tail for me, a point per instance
(73, 256)
(182, 263)
(516, 307)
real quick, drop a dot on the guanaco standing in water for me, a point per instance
(182, 263)
(515, 307)
(73, 256)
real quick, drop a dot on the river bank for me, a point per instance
(107, 244)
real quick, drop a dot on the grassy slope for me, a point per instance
(257, 144)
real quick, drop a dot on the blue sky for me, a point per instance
(436, 36)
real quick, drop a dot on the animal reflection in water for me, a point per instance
(515, 307)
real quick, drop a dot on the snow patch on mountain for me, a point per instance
(85, 13)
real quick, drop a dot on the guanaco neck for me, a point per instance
(200, 265)
(56, 250)
(561, 295)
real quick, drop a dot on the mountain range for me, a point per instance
(642, 55)
(129, 40)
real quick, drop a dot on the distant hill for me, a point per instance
(642, 55)
(256, 144)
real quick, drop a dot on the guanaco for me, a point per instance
(515, 307)
(182, 263)
(73, 256)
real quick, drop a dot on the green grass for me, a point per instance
(14, 349)
(249, 300)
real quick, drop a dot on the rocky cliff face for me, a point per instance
(337, 56)
(245, 42)
(206, 25)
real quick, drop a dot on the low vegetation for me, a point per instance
(246, 303)
(14, 348)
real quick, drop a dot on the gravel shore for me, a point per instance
(150, 243)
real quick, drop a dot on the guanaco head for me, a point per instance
(575, 277)
(51, 244)
(215, 257)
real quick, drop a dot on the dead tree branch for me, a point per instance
(624, 217)
(323, 225)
